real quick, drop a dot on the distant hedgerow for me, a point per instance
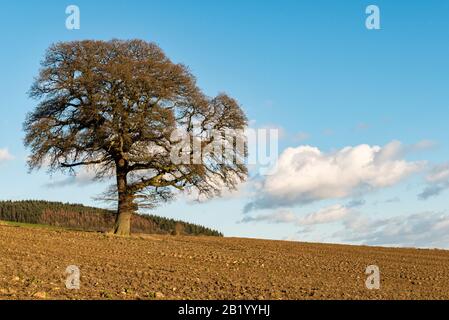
(80, 217)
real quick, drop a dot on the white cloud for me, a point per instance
(439, 173)
(437, 182)
(425, 230)
(85, 176)
(327, 215)
(356, 203)
(5, 155)
(422, 145)
(422, 230)
(276, 217)
(306, 174)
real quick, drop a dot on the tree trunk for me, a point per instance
(123, 223)
(125, 209)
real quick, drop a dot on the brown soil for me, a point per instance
(33, 262)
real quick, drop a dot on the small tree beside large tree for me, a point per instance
(113, 107)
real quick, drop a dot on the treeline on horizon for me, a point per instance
(80, 217)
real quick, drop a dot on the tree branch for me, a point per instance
(83, 163)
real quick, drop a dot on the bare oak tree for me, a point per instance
(113, 107)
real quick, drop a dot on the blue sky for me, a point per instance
(310, 68)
